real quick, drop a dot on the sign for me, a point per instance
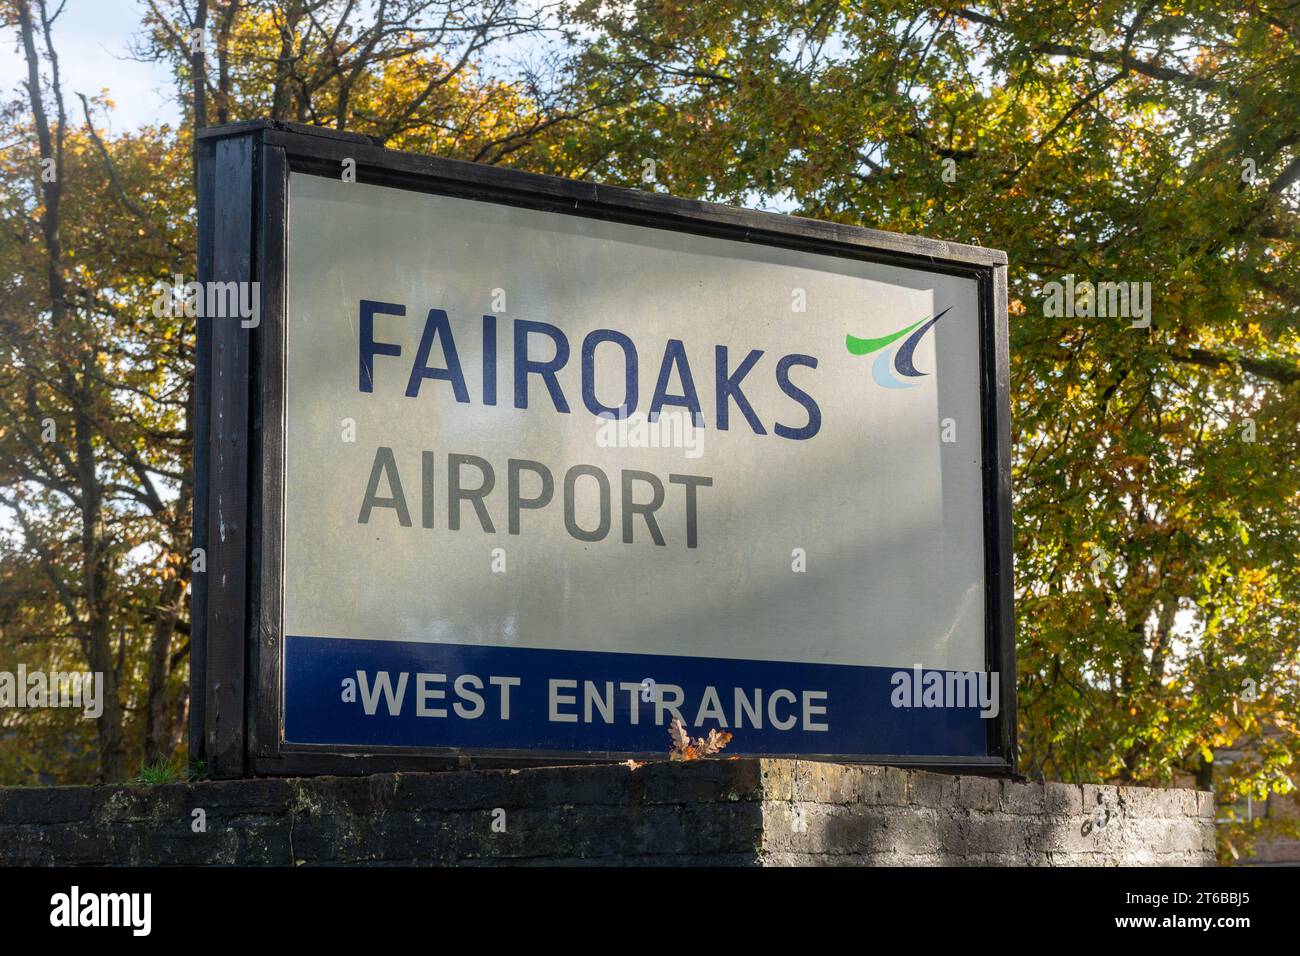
(538, 467)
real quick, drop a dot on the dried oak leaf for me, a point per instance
(684, 748)
(681, 748)
(714, 742)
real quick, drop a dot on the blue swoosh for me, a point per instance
(903, 361)
(880, 372)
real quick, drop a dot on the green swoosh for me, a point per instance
(857, 346)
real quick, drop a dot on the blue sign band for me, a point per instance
(398, 694)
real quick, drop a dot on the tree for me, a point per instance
(92, 429)
(95, 555)
(1157, 498)
(1156, 492)
(412, 73)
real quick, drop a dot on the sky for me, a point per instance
(93, 39)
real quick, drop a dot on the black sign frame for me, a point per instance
(237, 706)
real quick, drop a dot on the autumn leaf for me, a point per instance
(714, 742)
(681, 748)
(684, 748)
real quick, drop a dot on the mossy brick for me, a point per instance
(820, 782)
(36, 805)
(73, 844)
(258, 795)
(1022, 798)
(587, 786)
(883, 786)
(117, 805)
(353, 795)
(978, 793)
(931, 789)
(261, 843)
(1095, 795)
(1086, 837)
(1183, 802)
(702, 781)
(914, 829)
(1060, 799)
(985, 833)
(829, 829)
(1146, 802)
(776, 779)
(450, 791)
(660, 829)
(723, 828)
(24, 845)
(541, 831)
(1040, 834)
(247, 841)
(660, 813)
(426, 837)
(313, 838)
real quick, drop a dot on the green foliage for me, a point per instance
(157, 773)
(95, 540)
(1112, 143)
(1121, 141)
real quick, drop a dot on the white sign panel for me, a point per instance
(551, 481)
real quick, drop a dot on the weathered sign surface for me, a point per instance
(540, 475)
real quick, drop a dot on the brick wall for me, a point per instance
(742, 812)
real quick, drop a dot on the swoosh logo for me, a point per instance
(901, 358)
